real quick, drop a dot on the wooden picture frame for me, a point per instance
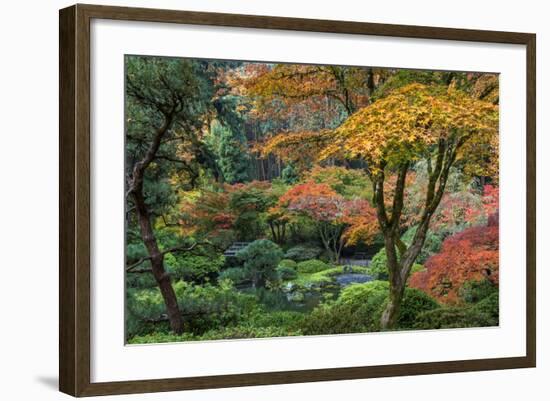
(74, 203)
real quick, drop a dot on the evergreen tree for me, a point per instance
(231, 149)
(289, 174)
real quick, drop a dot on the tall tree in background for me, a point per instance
(231, 149)
(167, 104)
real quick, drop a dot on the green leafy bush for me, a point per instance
(414, 303)
(196, 268)
(303, 252)
(360, 306)
(337, 318)
(475, 291)
(205, 307)
(490, 306)
(377, 266)
(289, 320)
(287, 263)
(312, 266)
(356, 295)
(140, 280)
(260, 258)
(356, 310)
(286, 273)
(237, 275)
(232, 332)
(453, 317)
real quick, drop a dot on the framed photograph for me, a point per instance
(250, 200)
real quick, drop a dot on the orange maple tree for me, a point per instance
(441, 125)
(339, 221)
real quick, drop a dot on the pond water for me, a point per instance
(305, 301)
(351, 278)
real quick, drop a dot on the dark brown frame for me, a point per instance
(74, 200)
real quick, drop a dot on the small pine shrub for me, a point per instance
(286, 273)
(260, 258)
(237, 275)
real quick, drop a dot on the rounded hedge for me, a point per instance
(414, 303)
(312, 266)
(287, 263)
(286, 273)
(303, 252)
(453, 317)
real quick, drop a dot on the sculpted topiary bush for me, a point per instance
(260, 258)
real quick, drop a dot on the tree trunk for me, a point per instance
(135, 189)
(157, 265)
(393, 307)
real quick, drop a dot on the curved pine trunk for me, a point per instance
(157, 265)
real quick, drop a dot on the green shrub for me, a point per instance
(287, 263)
(237, 275)
(490, 306)
(337, 318)
(212, 306)
(356, 310)
(206, 307)
(414, 303)
(160, 337)
(359, 309)
(311, 266)
(453, 317)
(377, 266)
(260, 258)
(140, 280)
(303, 252)
(374, 292)
(475, 291)
(286, 273)
(232, 332)
(272, 300)
(326, 277)
(196, 268)
(289, 320)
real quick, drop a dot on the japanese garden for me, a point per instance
(270, 200)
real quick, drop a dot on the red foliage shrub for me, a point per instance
(470, 255)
